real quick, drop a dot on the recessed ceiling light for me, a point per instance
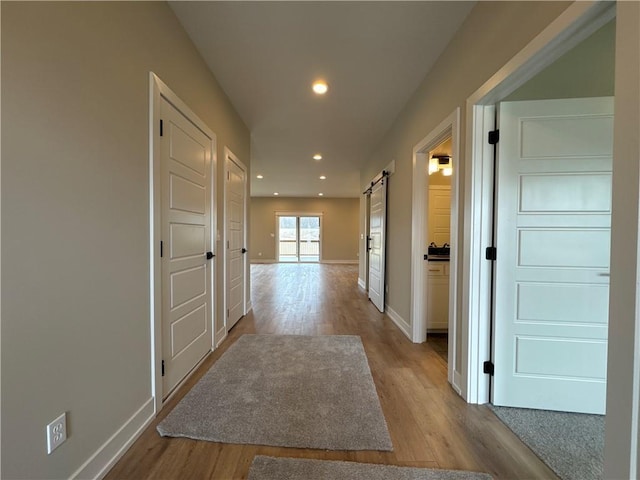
(317, 156)
(276, 193)
(322, 177)
(320, 87)
(259, 176)
(320, 194)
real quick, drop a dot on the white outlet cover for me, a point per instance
(56, 432)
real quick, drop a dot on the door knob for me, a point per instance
(244, 250)
(210, 255)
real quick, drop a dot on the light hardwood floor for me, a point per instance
(430, 425)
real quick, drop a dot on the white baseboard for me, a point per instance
(255, 260)
(220, 336)
(99, 464)
(400, 322)
(341, 262)
(361, 283)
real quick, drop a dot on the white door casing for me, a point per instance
(377, 225)
(553, 234)
(235, 235)
(186, 203)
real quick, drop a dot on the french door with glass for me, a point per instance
(298, 238)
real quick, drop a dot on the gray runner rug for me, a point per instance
(571, 444)
(287, 391)
(271, 468)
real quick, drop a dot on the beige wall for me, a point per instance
(75, 215)
(584, 71)
(339, 225)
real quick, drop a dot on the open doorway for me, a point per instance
(438, 235)
(538, 61)
(548, 187)
(435, 221)
(541, 164)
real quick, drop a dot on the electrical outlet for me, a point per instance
(56, 432)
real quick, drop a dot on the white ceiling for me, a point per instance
(265, 55)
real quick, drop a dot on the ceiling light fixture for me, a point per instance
(276, 193)
(317, 156)
(320, 87)
(441, 162)
(320, 194)
(259, 176)
(322, 177)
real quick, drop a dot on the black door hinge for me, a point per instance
(161, 248)
(491, 253)
(161, 128)
(163, 368)
(488, 367)
(494, 137)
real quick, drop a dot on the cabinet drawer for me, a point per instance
(435, 269)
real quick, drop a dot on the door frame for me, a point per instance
(157, 90)
(448, 128)
(575, 24)
(228, 154)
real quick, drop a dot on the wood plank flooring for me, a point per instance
(430, 425)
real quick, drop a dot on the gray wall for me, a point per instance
(75, 215)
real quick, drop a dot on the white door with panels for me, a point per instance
(236, 250)
(186, 238)
(553, 238)
(376, 247)
(439, 218)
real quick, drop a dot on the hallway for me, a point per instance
(430, 425)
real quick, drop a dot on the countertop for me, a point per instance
(437, 258)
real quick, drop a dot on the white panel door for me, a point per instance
(186, 237)
(377, 224)
(553, 237)
(439, 221)
(236, 251)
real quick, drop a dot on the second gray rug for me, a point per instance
(288, 391)
(272, 468)
(572, 444)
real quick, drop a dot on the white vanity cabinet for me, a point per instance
(437, 296)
